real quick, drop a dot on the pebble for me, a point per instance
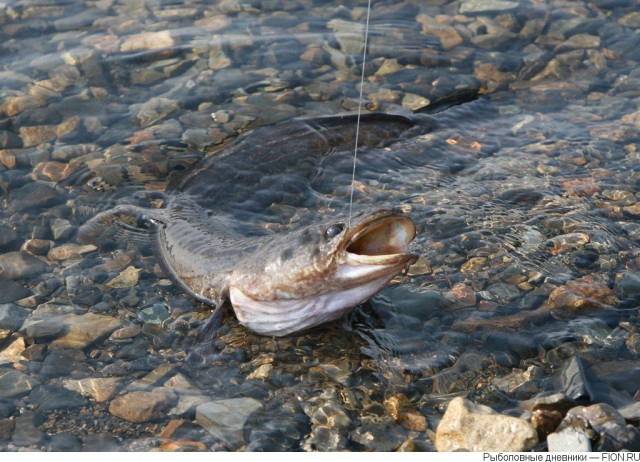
(26, 431)
(126, 279)
(142, 406)
(484, 6)
(474, 427)
(49, 398)
(10, 291)
(225, 419)
(12, 353)
(70, 251)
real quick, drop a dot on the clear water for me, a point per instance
(526, 200)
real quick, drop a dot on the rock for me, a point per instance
(473, 427)
(52, 171)
(378, 434)
(154, 314)
(225, 419)
(9, 140)
(33, 196)
(19, 265)
(12, 353)
(37, 134)
(61, 229)
(579, 41)
(61, 363)
(26, 431)
(404, 413)
(568, 440)
(14, 384)
(143, 406)
(49, 398)
(36, 246)
(148, 41)
(64, 443)
(484, 6)
(127, 278)
(12, 316)
(100, 389)
(81, 331)
(10, 291)
(448, 35)
(67, 251)
(7, 236)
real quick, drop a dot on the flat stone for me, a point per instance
(148, 41)
(100, 389)
(19, 265)
(34, 195)
(127, 278)
(81, 331)
(14, 384)
(49, 398)
(7, 236)
(484, 6)
(26, 431)
(61, 363)
(67, 251)
(12, 316)
(142, 406)
(474, 427)
(568, 440)
(225, 419)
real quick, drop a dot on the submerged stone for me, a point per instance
(474, 427)
(225, 419)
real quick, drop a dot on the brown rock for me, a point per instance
(67, 251)
(128, 278)
(448, 35)
(81, 331)
(142, 406)
(403, 412)
(37, 134)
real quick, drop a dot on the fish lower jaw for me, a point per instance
(282, 317)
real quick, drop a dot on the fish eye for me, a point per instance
(333, 230)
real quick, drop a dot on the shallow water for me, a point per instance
(526, 200)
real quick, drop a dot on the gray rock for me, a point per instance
(9, 140)
(61, 229)
(569, 440)
(49, 398)
(12, 316)
(18, 265)
(154, 314)
(26, 431)
(34, 195)
(225, 419)
(14, 384)
(473, 427)
(7, 236)
(10, 291)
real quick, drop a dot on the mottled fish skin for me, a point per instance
(287, 282)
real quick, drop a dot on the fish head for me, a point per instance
(318, 273)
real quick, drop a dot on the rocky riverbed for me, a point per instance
(519, 322)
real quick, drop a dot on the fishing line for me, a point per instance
(355, 149)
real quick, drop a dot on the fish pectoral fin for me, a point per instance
(210, 327)
(124, 224)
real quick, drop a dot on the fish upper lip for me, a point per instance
(397, 232)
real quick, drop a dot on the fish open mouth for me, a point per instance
(381, 239)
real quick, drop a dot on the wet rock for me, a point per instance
(627, 285)
(37, 134)
(154, 314)
(19, 265)
(148, 41)
(568, 440)
(61, 229)
(126, 333)
(127, 278)
(449, 37)
(62, 363)
(37, 246)
(225, 419)
(14, 384)
(12, 316)
(6, 429)
(26, 431)
(9, 140)
(33, 195)
(12, 352)
(474, 427)
(583, 295)
(484, 6)
(11, 291)
(616, 437)
(417, 302)
(49, 398)
(404, 413)
(323, 438)
(81, 331)
(68, 251)
(142, 406)
(377, 434)
(100, 389)
(64, 443)
(579, 41)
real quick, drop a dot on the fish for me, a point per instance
(206, 240)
